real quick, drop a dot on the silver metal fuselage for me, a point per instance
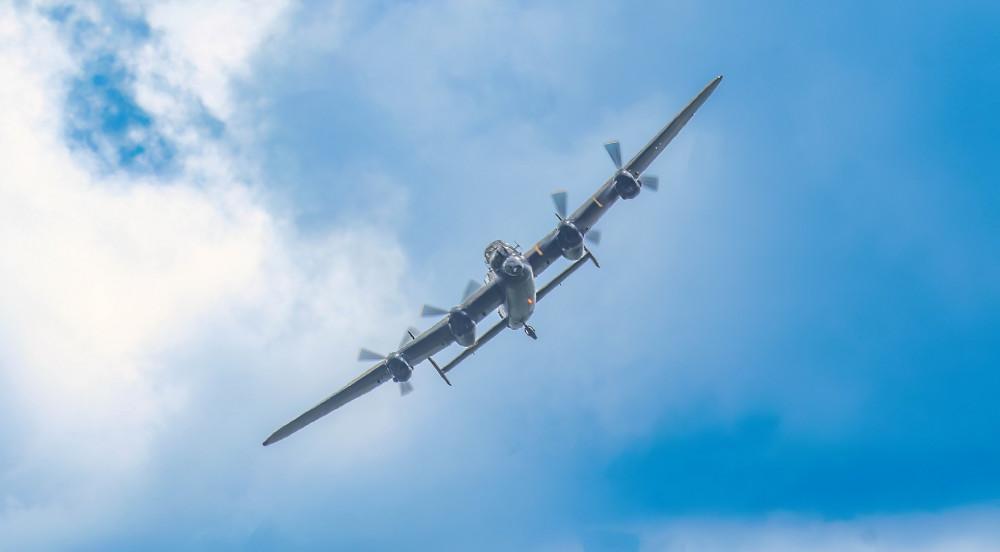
(508, 266)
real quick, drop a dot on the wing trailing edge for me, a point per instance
(364, 383)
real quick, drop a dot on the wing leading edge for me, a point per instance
(371, 379)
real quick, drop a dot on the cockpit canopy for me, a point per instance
(496, 253)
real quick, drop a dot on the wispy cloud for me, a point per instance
(959, 530)
(205, 209)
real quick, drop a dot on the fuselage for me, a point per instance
(508, 266)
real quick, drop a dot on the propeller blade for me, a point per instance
(430, 310)
(409, 336)
(365, 355)
(594, 237)
(615, 151)
(559, 198)
(471, 288)
(650, 181)
(405, 388)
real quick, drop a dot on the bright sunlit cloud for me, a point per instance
(104, 271)
(206, 208)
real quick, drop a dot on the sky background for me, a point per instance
(206, 208)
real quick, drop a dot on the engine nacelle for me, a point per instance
(398, 367)
(462, 327)
(626, 185)
(570, 240)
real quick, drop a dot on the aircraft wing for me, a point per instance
(437, 337)
(547, 251)
(371, 379)
(484, 301)
(646, 155)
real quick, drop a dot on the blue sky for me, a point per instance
(206, 210)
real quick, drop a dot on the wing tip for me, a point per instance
(714, 84)
(274, 438)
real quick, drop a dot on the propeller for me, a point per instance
(367, 355)
(471, 288)
(431, 310)
(615, 151)
(559, 199)
(409, 336)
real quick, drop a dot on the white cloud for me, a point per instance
(153, 330)
(201, 47)
(105, 276)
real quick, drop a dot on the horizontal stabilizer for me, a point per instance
(483, 339)
(562, 276)
(439, 371)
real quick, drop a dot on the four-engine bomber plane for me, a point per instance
(510, 285)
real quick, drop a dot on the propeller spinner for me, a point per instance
(367, 355)
(560, 199)
(614, 149)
